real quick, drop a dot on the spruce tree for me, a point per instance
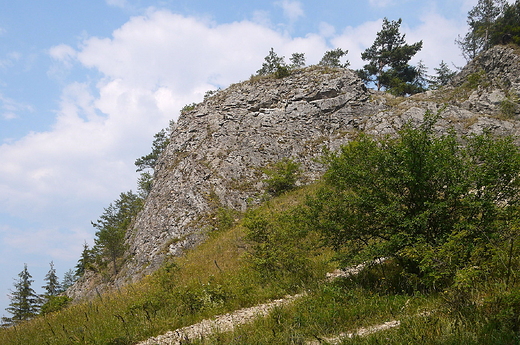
(53, 286)
(85, 262)
(25, 302)
(69, 278)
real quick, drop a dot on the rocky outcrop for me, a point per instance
(218, 150)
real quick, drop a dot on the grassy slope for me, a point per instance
(216, 278)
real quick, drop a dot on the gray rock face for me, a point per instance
(218, 149)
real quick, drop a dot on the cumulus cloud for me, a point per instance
(291, 9)
(437, 33)
(143, 74)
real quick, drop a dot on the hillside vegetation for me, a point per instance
(449, 274)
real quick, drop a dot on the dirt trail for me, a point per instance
(227, 322)
(221, 323)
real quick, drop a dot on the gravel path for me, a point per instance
(360, 332)
(227, 322)
(221, 323)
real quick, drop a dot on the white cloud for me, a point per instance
(356, 40)
(150, 68)
(293, 10)
(437, 33)
(46, 242)
(326, 30)
(10, 108)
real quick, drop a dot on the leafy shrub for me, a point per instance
(55, 303)
(282, 176)
(421, 199)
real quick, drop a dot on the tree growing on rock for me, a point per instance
(297, 60)
(332, 58)
(443, 76)
(113, 225)
(481, 21)
(272, 63)
(388, 59)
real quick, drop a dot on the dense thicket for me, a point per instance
(443, 209)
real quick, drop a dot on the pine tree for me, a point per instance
(297, 60)
(273, 63)
(25, 302)
(388, 59)
(481, 21)
(331, 58)
(443, 77)
(69, 278)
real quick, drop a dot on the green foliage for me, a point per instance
(332, 58)
(491, 22)
(188, 107)
(297, 60)
(86, 261)
(279, 245)
(506, 28)
(54, 304)
(113, 225)
(53, 286)
(271, 64)
(508, 109)
(422, 199)
(275, 65)
(69, 278)
(160, 142)
(443, 77)
(25, 303)
(388, 59)
(282, 176)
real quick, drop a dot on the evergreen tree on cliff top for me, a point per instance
(388, 59)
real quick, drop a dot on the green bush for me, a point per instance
(282, 176)
(436, 207)
(54, 304)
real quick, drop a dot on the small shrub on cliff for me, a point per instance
(282, 176)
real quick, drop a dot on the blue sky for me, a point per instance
(85, 84)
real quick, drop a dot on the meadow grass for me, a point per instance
(218, 277)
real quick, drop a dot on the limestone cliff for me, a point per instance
(218, 149)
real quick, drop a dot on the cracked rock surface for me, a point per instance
(217, 150)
